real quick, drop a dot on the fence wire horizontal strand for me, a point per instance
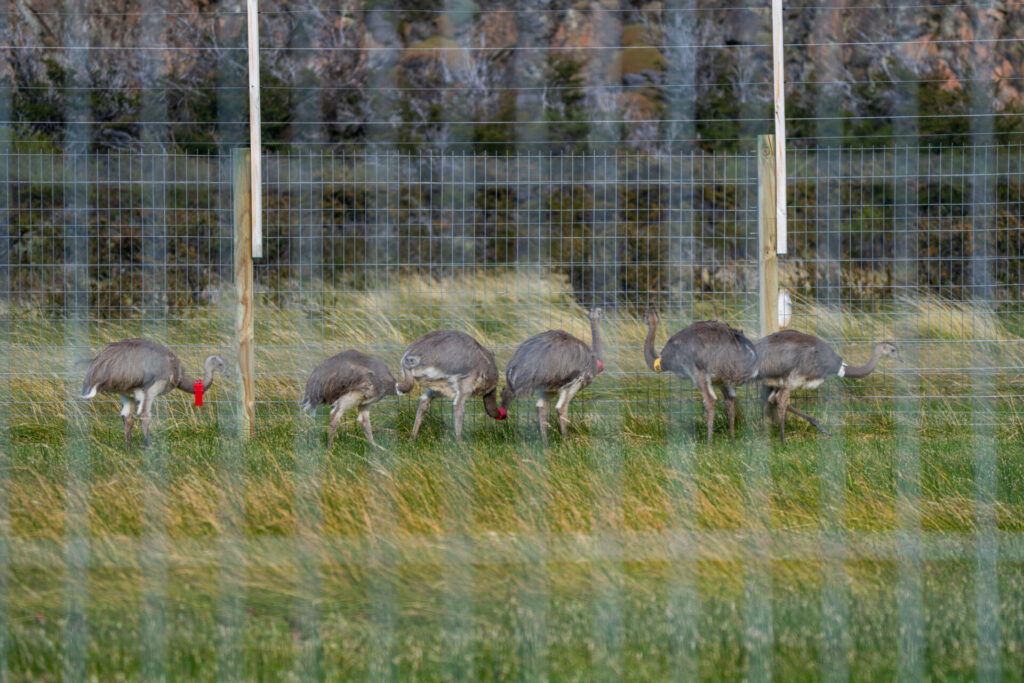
(507, 246)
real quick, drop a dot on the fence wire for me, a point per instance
(155, 262)
(371, 250)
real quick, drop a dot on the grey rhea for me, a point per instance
(139, 370)
(453, 364)
(553, 363)
(789, 360)
(344, 381)
(709, 353)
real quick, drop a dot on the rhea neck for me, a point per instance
(595, 339)
(187, 385)
(857, 371)
(490, 400)
(649, 354)
(407, 383)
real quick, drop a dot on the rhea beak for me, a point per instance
(600, 367)
(502, 413)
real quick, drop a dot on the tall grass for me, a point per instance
(629, 550)
(945, 345)
(496, 559)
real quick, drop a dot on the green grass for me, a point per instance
(630, 550)
(623, 552)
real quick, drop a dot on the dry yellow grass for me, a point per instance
(300, 325)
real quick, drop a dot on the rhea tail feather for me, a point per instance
(307, 404)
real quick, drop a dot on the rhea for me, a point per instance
(344, 381)
(139, 370)
(708, 353)
(453, 364)
(553, 364)
(789, 360)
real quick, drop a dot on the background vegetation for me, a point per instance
(854, 74)
(675, 226)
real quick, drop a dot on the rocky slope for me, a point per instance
(408, 72)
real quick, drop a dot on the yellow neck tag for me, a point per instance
(657, 364)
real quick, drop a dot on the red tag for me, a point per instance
(198, 386)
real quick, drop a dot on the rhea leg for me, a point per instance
(564, 397)
(542, 415)
(128, 417)
(129, 422)
(813, 420)
(781, 405)
(707, 394)
(768, 395)
(363, 418)
(730, 406)
(459, 409)
(146, 408)
(336, 412)
(339, 408)
(421, 410)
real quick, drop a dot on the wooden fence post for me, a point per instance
(244, 315)
(768, 264)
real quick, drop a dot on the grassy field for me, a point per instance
(631, 550)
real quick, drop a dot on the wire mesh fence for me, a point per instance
(917, 245)
(628, 552)
(106, 246)
(376, 250)
(921, 246)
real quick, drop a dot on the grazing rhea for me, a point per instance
(709, 353)
(791, 360)
(139, 370)
(452, 364)
(344, 381)
(553, 363)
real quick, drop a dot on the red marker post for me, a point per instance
(198, 386)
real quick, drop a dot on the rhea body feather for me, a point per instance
(708, 353)
(553, 364)
(443, 360)
(789, 360)
(125, 367)
(722, 354)
(348, 372)
(795, 360)
(548, 362)
(453, 364)
(140, 370)
(348, 380)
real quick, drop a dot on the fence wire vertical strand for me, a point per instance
(910, 599)
(303, 233)
(458, 575)
(75, 173)
(610, 607)
(230, 474)
(684, 606)
(985, 361)
(832, 452)
(154, 547)
(384, 580)
(7, 369)
(758, 624)
(985, 255)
